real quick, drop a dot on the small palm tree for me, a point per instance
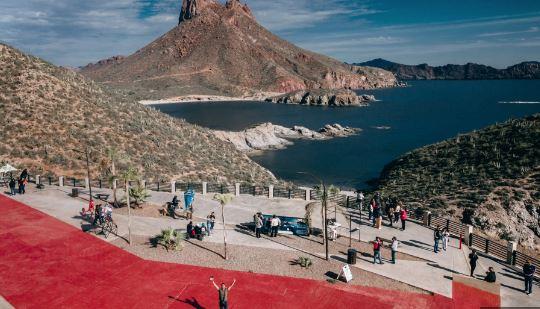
(112, 157)
(323, 195)
(129, 175)
(223, 199)
(139, 194)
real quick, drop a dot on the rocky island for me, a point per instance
(267, 136)
(323, 97)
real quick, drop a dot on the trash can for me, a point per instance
(351, 256)
(75, 192)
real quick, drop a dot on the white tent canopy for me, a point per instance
(7, 168)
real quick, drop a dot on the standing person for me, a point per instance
(445, 238)
(258, 225)
(390, 215)
(189, 229)
(395, 244)
(378, 217)
(223, 291)
(490, 275)
(360, 198)
(473, 258)
(436, 239)
(403, 217)
(397, 211)
(12, 185)
(212, 220)
(275, 222)
(24, 174)
(528, 274)
(377, 244)
(372, 206)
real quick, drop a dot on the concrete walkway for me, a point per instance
(434, 273)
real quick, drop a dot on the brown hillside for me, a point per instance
(47, 111)
(221, 49)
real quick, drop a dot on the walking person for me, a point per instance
(473, 258)
(445, 238)
(371, 207)
(436, 239)
(258, 225)
(528, 274)
(223, 293)
(394, 248)
(12, 184)
(403, 217)
(377, 244)
(275, 222)
(390, 214)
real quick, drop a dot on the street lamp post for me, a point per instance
(325, 211)
(86, 153)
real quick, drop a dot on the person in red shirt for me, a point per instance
(377, 244)
(403, 217)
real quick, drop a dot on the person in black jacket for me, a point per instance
(528, 273)
(490, 275)
(436, 239)
(12, 185)
(473, 258)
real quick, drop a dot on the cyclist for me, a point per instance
(108, 213)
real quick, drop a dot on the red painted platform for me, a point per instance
(46, 263)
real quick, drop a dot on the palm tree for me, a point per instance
(113, 156)
(223, 199)
(323, 194)
(128, 175)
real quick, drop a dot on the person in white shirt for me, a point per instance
(394, 249)
(274, 225)
(360, 197)
(445, 238)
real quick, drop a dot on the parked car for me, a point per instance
(289, 225)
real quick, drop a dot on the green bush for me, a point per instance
(171, 239)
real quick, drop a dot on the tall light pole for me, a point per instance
(324, 206)
(86, 153)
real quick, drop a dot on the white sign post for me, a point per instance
(346, 271)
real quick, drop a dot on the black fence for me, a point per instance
(159, 186)
(519, 259)
(184, 186)
(220, 188)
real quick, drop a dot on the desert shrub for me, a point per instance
(304, 261)
(171, 239)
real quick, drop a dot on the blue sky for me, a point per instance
(493, 32)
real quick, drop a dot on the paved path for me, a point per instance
(47, 263)
(433, 274)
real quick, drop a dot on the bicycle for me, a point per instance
(109, 227)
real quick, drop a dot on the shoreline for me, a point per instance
(199, 98)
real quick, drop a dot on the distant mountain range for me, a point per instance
(221, 49)
(524, 70)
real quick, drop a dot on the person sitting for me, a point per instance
(90, 210)
(189, 229)
(490, 275)
(198, 232)
(98, 215)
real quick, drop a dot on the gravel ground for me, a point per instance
(259, 260)
(146, 210)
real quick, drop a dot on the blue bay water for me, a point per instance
(424, 113)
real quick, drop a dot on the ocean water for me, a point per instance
(423, 113)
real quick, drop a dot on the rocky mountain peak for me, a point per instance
(190, 9)
(235, 4)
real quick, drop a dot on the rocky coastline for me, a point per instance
(323, 97)
(267, 136)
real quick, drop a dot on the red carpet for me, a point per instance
(46, 263)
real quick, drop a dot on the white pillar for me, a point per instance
(143, 183)
(173, 186)
(115, 183)
(87, 183)
(468, 231)
(271, 191)
(237, 189)
(204, 187)
(308, 195)
(38, 180)
(61, 181)
(512, 246)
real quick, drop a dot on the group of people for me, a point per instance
(272, 224)
(440, 236)
(189, 198)
(377, 246)
(197, 231)
(101, 213)
(393, 209)
(21, 182)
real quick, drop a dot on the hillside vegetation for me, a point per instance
(489, 178)
(47, 111)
